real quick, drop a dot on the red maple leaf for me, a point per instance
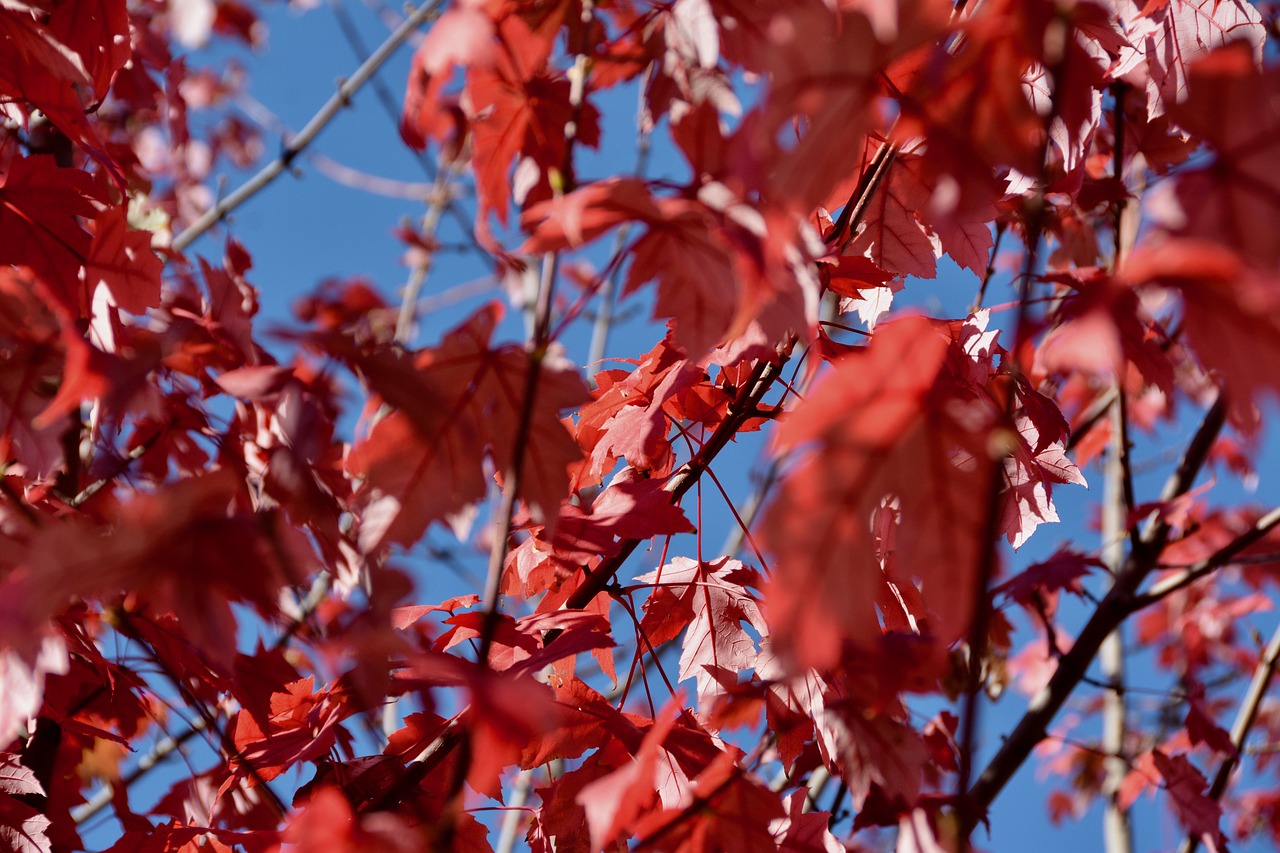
(887, 438)
(1197, 812)
(121, 260)
(519, 107)
(302, 726)
(1171, 35)
(1231, 312)
(1236, 109)
(456, 403)
(23, 829)
(712, 600)
(713, 258)
(98, 32)
(724, 809)
(39, 206)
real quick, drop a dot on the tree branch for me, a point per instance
(1114, 608)
(307, 135)
(1210, 564)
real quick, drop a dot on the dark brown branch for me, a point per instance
(1222, 557)
(1114, 608)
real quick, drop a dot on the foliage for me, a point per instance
(200, 545)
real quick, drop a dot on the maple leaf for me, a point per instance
(973, 107)
(1230, 312)
(612, 802)
(1037, 587)
(885, 429)
(1101, 329)
(718, 265)
(1030, 472)
(628, 416)
(1236, 109)
(586, 721)
(697, 279)
(804, 831)
(98, 32)
(24, 665)
(456, 403)
(328, 824)
(1171, 35)
(824, 63)
(22, 828)
(302, 726)
(1197, 812)
(520, 108)
(1201, 727)
(711, 601)
(184, 549)
(38, 376)
(39, 203)
(632, 507)
(43, 65)
(121, 261)
(874, 748)
(892, 235)
(724, 808)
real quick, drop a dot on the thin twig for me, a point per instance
(422, 269)
(296, 145)
(1245, 718)
(158, 754)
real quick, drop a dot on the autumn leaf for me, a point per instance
(457, 403)
(1198, 814)
(22, 828)
(1230, 313)
(39, 206)
(98, 32)
(886, 436)
(1170, 36)
(121, 261)
(714, 600)
(302, 726)
(1236, 109)
(725, 808)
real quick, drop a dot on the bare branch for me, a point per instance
(310, 131)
